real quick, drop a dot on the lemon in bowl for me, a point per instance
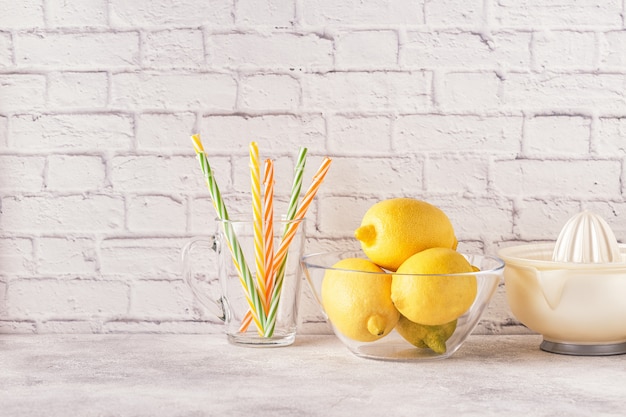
(439, 296)
(395, 229)
(356, 295)
(408, 340)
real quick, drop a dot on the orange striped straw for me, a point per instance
(245, 322)
(268, 239)
(300, 213)
(288, 237)
(281, 253)
(255, 181)
(268, 231)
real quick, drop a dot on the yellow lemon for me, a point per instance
(356, 295)
(423, 336)
(434, 299)
(393, 230)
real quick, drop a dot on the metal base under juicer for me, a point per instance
(583, 350)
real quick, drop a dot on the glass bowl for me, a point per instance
(393, 346)
(578, 308)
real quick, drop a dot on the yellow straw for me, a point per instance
(268, 239)
(268, 224)
(255, 181)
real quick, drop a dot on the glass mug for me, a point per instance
(229, 301)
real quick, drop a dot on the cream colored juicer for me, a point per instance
(573, 292)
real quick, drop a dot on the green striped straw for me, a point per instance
(293, 204)
(296, 187)
(291, 232)
(251, 294)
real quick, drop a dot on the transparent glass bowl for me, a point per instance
(394, 347)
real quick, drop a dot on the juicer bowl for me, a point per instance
(578, 308)
(393, 346)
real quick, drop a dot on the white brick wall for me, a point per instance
(509, 115)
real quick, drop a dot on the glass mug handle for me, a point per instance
(213, 304)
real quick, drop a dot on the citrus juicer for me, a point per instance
(586, 238)
(572, 292)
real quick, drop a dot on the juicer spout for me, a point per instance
(552, 284)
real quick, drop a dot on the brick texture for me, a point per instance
(508, 114)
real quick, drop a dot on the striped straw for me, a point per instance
(291, 212)
(268, 237)
(297, 184)
(255, 181)
(281, 253)
(268, 240)
(301, 211)
(245, 276)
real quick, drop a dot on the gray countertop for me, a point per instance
(202, 375)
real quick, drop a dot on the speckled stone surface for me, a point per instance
(202, 375)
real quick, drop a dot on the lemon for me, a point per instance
(434, 299)
(423, 336)
(393, 230)
(356, 295)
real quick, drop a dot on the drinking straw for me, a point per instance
(297, 184)
(245, 276)
(293, 206)
(281, 253)
(301, 211)
(291, 212)
(268, 239)
(255, 181)
(268, 224)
